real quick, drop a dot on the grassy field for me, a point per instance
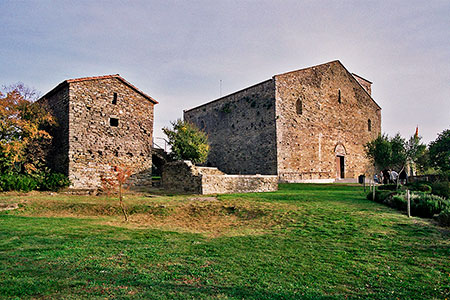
(302, 242)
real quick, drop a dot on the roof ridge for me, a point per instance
(92, 78)
(67, 81)
(307, 68)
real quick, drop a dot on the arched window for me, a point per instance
(369, 125)
(299, 106)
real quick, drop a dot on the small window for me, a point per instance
(114, 122)
(299, 106)
(339, 96)
(369, 125)
(114, 101)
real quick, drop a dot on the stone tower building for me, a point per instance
(308, 125)
(102, 122)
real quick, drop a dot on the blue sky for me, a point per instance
(179, 51)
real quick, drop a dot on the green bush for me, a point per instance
(444, 217)
(18, 182)
(54, 182)
(380, 196)
(422, 204)
(387, 187)
(441, 188)
(427, 205)
(399, 202)
(26, 183)
(420, 187)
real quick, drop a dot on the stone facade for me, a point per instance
(103, 122)
(241, 130)
(317, 121)
(184, 177)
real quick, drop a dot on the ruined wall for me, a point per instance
(224, 184)
(308, 140)
(57, 103)
(184, 177)
(96, 144)
(241, 130)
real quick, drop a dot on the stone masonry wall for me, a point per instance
(95, 144)
(58, 105)
(241, 130)
(183, 176)
(308, 142)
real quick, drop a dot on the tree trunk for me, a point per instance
(122, 206)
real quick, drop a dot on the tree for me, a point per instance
(439, 151)
(379, 151)
(187, 142)
(399, 155)
(395, 153)
(115, 182)
(416, 153)
(23, 134)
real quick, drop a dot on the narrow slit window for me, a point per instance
(114, 101)
(369, 125)
(339, 96)
(299, 107)
(114, 122)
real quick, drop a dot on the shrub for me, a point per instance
(399, 202)
(420, 187)
(26, 183)
(54, 182)
(444, 217)
(20, 182)
(426, 205)
(388, 187)
(441, 188)
(380, 196)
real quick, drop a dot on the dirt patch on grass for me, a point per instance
(206, 215)
(210, 218)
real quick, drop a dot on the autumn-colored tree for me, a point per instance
(114, 182)
(23, 134)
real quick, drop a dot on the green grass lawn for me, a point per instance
(304, 241)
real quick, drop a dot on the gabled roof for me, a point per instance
(352, 75)
(68, 81)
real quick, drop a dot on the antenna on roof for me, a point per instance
(220, 88)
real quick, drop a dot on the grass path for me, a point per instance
(317, 242)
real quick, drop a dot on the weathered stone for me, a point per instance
(296, 125)
(103, 122)
(183, 176)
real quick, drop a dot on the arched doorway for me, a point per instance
(340, 152)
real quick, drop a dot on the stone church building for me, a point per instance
(308, 125)
(103, 121)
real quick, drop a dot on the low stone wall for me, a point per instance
(183, 176)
